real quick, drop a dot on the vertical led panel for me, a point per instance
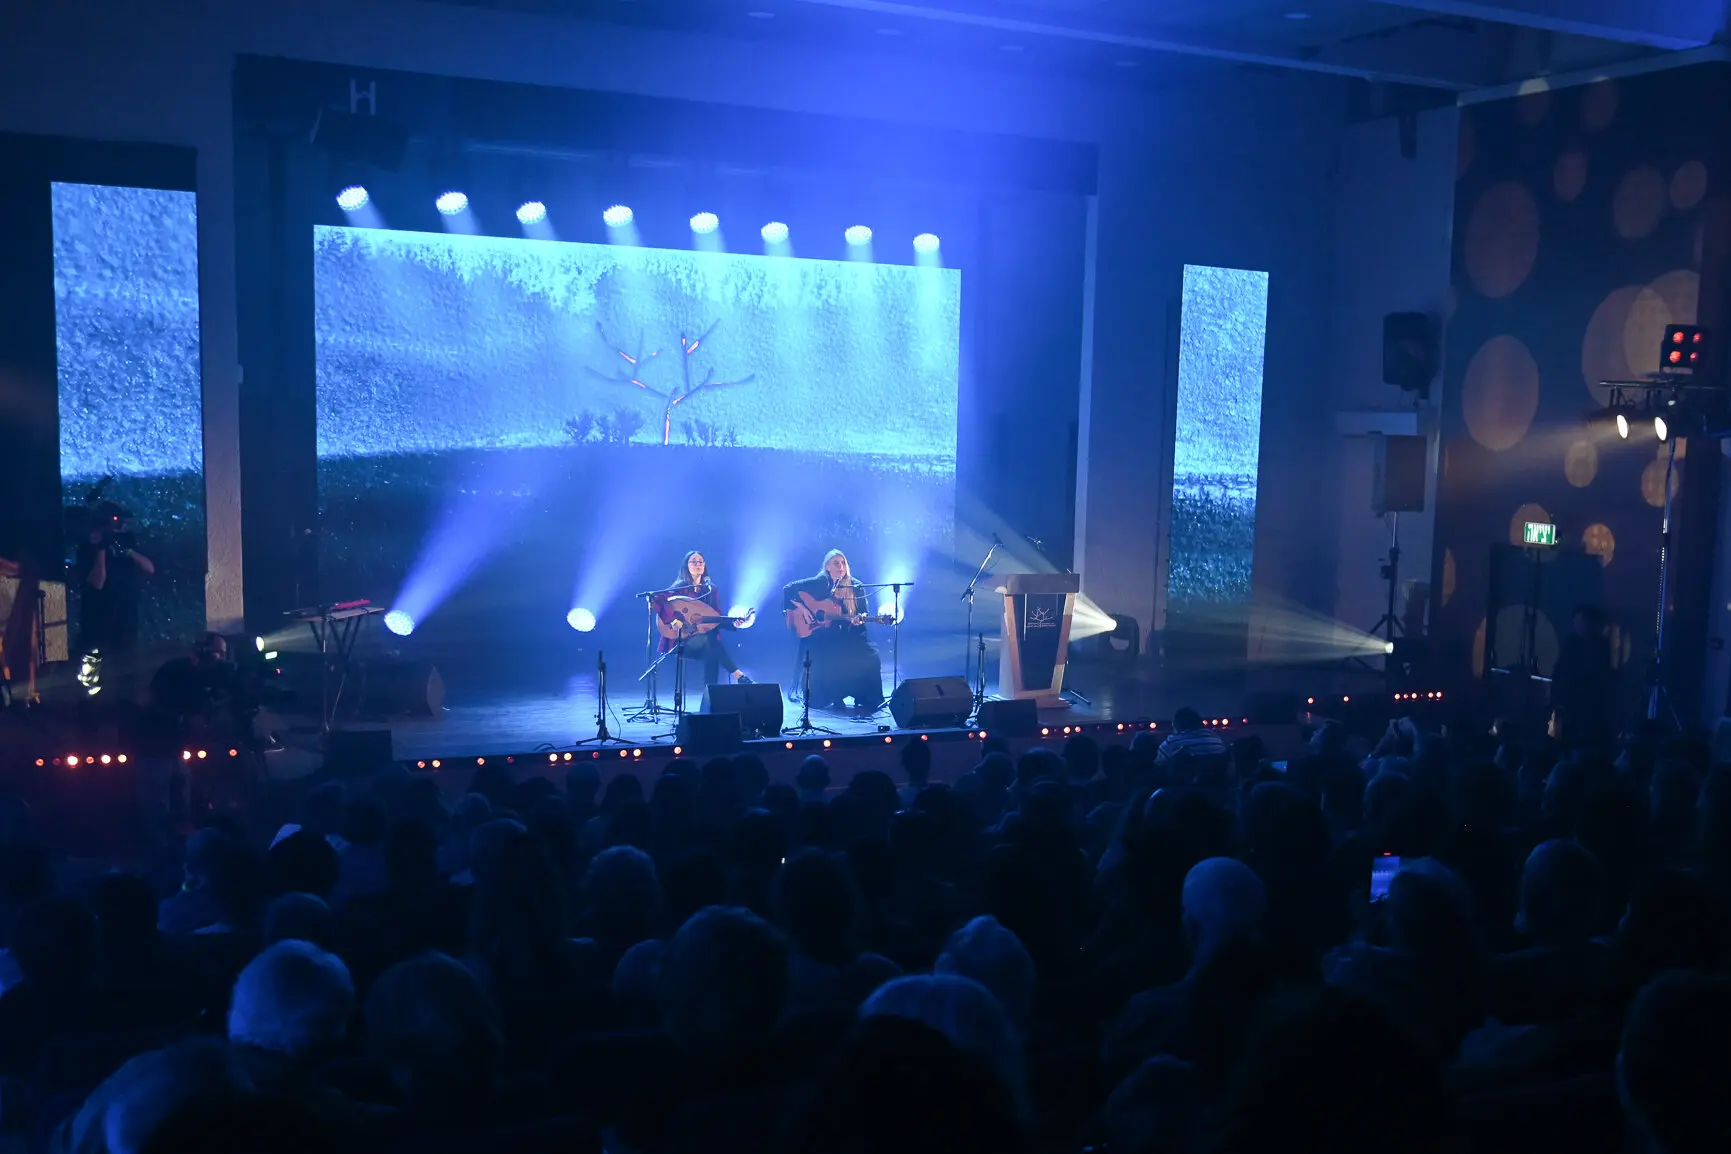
(131, 411)
(1217, 436)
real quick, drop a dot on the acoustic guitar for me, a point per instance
(694, 617)
(811, 614)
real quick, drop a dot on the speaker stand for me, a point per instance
(805, 728)
(1388, 627)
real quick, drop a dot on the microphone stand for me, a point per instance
(968, 596)
(896, 588)
(805, 727)
(602, 736)
(651, 709)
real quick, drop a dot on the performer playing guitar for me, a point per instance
(678, 617)
(829, 613)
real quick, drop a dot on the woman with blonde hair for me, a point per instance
(844, 663)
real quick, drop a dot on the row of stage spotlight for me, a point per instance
(454, 203)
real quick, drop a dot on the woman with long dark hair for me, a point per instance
(694, 582)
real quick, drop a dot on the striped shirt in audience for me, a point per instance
(1190, 743)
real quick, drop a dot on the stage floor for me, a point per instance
(483, 721)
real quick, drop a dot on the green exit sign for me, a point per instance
(1540, 533)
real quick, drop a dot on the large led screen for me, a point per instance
(127, 343)
(1217, 436)
(534, 427)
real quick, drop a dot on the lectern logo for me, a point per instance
(1040, 617)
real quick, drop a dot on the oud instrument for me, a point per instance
(813, 614)
(694, 617)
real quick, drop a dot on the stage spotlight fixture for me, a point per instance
(582, 620)
(618, 216)
(1660, 428)
(774, 232)
(1388, 647)
(926, 243)
(258, 644)
(452, 203)
(399, 623)
(858, 234)
(531, 212)
(1623, 426)
(704, 223)
(352, 199)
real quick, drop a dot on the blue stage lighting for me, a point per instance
(581, 620)
(531, 212)
(926, 243)
(859, 234)
(704, 223)
(452, 203)
(352, 199)
(618, 216)
(775, 232)
(399, 623)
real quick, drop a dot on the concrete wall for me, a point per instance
(1233, 171)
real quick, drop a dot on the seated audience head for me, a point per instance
(1430, 914)
(916, 757)
(300, 918)
(986, 952)
(1186, 720)
(1384, 796)
(1082, 758)
(1562, 886)
(55, 946)
(582, 783)
(1675, 1063)
(302, 863)
(434, 1028)
(125, 1112)
(1283, 830)
(321, 810)
(412, 856)
(723, 984)
(692, 881)
(1676, 920)
(1155, 1110)
(1225, 904)
(624, 896)
(813, 776)
(963, 1011)
(203, 859)
(896, 1084)
(364, 822)
(815, 904)
(1332, 1073)
(292, 1001)
(125, 909)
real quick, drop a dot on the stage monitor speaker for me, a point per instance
(357, 752)
(1409, 351)
(759, 706)
(710, 733)
(403, 688)
(1398, 474)
(1014, 717)
(932, 702)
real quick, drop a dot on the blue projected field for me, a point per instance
(1217, 435)
(580, 415)
(127, 343)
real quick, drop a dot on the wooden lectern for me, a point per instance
(1037, 611)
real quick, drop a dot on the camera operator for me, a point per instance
(111, 573)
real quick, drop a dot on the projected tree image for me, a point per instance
(637, 366)
(506, 416)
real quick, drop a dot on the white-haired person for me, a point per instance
(288, 1015)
